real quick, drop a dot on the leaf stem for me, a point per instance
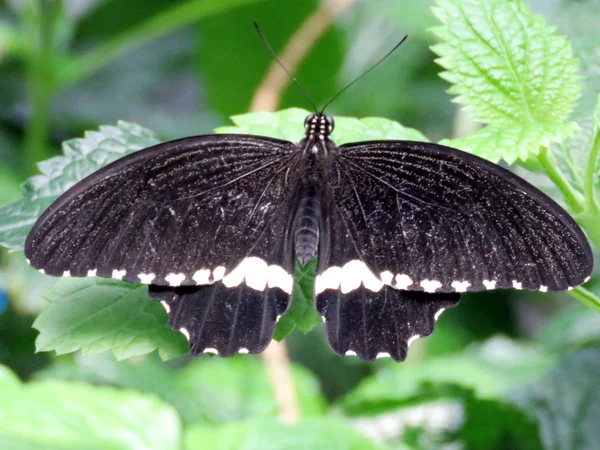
(585, 296)
(159, 25)
(41, 81)
(548, 162)
(590, 172)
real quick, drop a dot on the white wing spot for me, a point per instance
(387, 277)
(27, 259)
(185, 332)
(218, 273)
(66, 273)
(323, 319)
(201, 276)
(167, 308)
(543, 288)
(278, 277)
(587, 279)
(350, 353)
(570, 288)
(403, 281)
(214, 351)
(41, 271)
(330, 279)
(146, 278)
(412, 339)
(92, 273)
(175, 279)
(438, 314)
(489, 284)
(383, 355)
(349, 277)
(243, 351)
(460, 286)
(431, 285)
(118, 274)
(517, 285)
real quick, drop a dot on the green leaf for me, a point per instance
(289, 124)
(302, 314)
(509, 69)
(315, 434)
(209, 390)
(490, 371)
(512, 142)
(566, 402)
(70, 416)
(81, 158)
(94, 315)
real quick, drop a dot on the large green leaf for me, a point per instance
(94, 315)
(509, 68)
(315, 434)
(70, 416)
(208, 389)
(81, 157)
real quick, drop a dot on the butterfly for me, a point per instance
(214, 225)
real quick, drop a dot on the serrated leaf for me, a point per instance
(81, 157)
(289, 124)
(94, 315)
(70, 416)
(509, 68)
(512, 142)
(566, 403)
(315, 434)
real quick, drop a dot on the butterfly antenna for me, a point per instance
(283, 67)
(364, 73)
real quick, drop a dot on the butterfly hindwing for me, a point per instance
(425, 217)
(362, 315)
(222, 320)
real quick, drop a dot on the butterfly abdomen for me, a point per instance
(306, 230)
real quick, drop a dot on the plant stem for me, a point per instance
(585, 296)
(590, 172)
(171, 19)
(40, 82)
(572, 198)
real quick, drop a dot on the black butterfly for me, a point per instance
(215, 223)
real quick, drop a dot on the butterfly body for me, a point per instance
(214, 224)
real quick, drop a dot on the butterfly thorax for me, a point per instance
(317, 153)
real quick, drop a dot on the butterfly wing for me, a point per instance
(424, 217)
(205, 221)
(410, 225)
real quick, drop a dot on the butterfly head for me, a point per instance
(318, 126)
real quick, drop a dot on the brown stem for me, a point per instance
(266, 98)
(268, 94)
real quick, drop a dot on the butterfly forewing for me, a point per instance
(424, 217)
(180, 213)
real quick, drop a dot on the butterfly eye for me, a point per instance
(330, 123)
(308, 121)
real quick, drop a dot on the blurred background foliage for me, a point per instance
(504, 370)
